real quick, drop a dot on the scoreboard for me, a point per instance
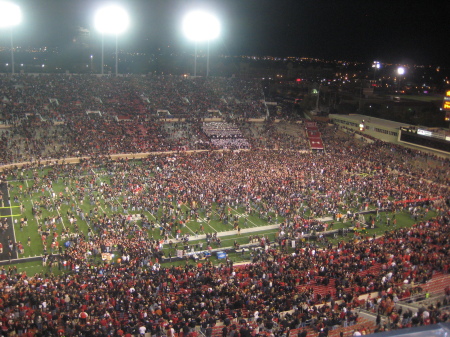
(446, 105)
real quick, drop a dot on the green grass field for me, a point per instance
(41, 190)
(25, 192)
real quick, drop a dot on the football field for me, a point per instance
(45, 209)
(48, 211)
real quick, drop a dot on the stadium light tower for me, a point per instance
(112, 20)
(10, 16)
(400, 72)
(201, 26)
(375, 65)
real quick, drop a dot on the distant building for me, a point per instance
(382, 129)
(434, 140)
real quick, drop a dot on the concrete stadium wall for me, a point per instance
(76, 160)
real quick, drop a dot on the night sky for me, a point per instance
(393, 31)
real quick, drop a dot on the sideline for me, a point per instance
(127, 156)
(6, 211)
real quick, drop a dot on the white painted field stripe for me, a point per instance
(203, 220)
(254, 225)
(10, 212)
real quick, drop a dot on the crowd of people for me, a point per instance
(102, 115)
(280, 282)
(138, 294)
(111, 299)
(56, 97)
(106, 299)
(225, 135)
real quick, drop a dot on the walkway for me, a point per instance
(251, 230)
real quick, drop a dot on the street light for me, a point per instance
(201, 26)
(111, 20)
(10, 16)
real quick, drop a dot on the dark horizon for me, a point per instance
(389, 32)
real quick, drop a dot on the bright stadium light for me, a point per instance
(201, 26)
(375, 65)
(112, 20)
(10, 16)
(400, 72)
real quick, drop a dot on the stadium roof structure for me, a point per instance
(387, 123)
(435, 330)
(373, 120)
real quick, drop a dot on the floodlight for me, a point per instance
(201, 26)
(401, 71)
(10, 14)
(111, 20)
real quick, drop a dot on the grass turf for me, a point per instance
(28, 190)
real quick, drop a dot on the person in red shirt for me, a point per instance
(83, 317)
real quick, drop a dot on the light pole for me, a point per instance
(10, 16)
(103, 53)
(112, 20)
(376, 65)
(201, 26)
(400, 72)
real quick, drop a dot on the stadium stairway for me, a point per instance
(437, 284)
(314, 136)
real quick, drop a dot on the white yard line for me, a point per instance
(254, 225)
(10, 213)
(202, 220)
